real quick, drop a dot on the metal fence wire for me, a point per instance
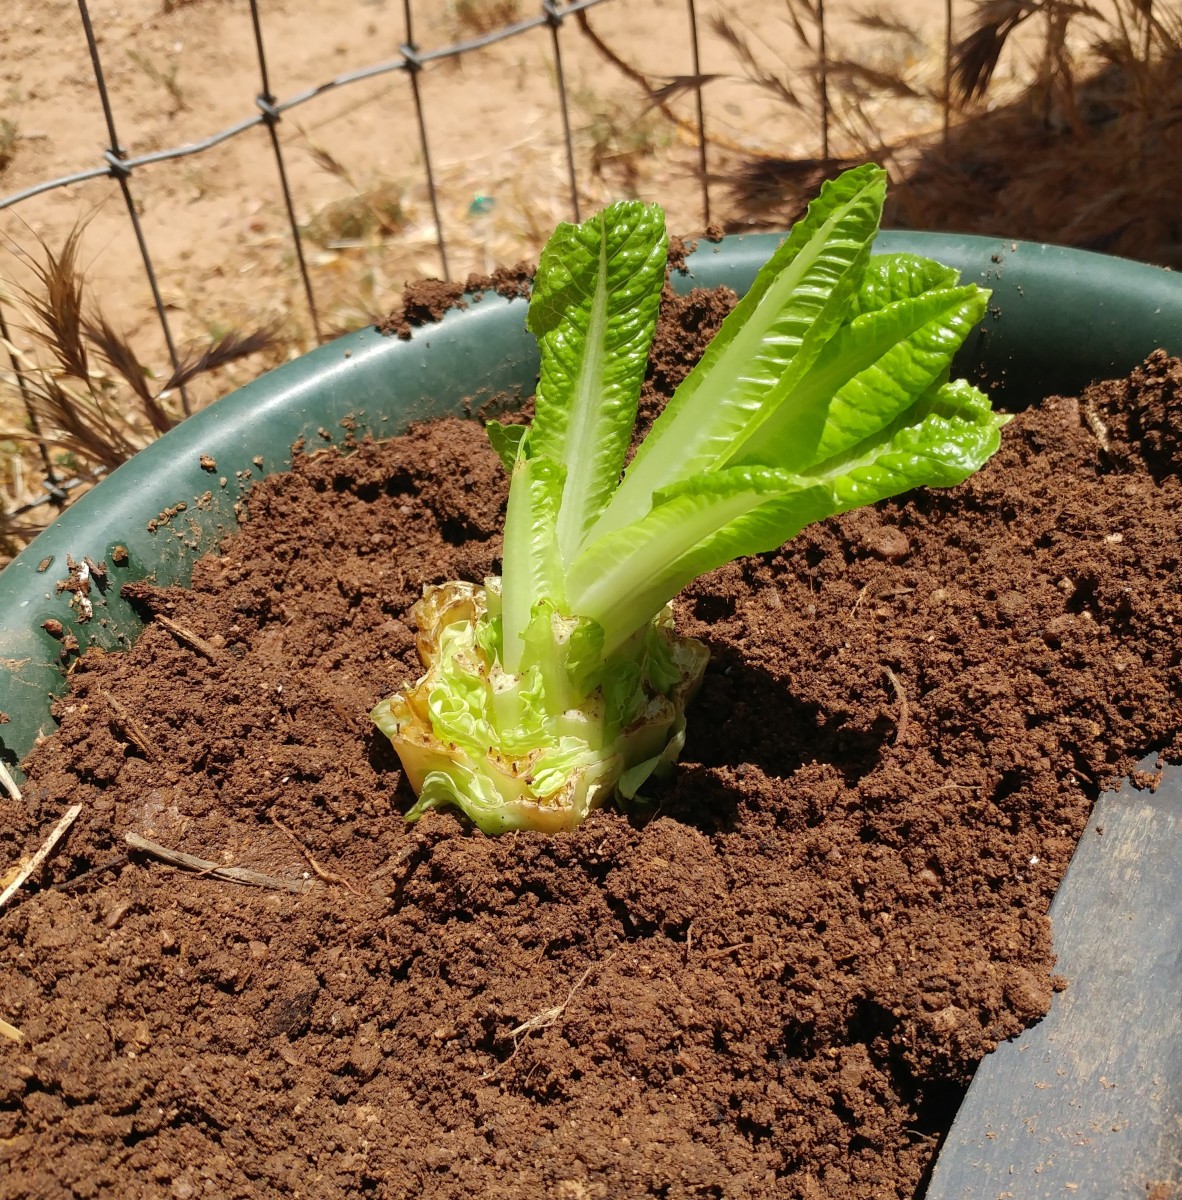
(116, 163)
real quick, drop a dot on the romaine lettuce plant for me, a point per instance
(562, 682)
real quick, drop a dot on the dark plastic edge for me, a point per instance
(1087, 1102)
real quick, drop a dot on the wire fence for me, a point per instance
(117, 164)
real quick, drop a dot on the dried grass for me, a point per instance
(9, 141)
(1109, 187)
(368, 214)
(85, 391)
(476, 17)
(767, 80)
(1082, 158)
(1086, 154)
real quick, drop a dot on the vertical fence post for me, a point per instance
(115, 155)
(266, 103)
(554, 20)
(696, 67)
(413, 66)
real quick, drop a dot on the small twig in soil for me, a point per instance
(923, 1137)
(134, 730)
(176, 858)
(55, 836)
(719, 951)
(549, 1016)
(860, 597)
(542, 1020)
(1098, 428)
(321, 872)
(189, 638)
(412, 857)
(901, 726)
(83, 876)
(11, 1032)
(9, 783)
(1078, 770)
(395, 860)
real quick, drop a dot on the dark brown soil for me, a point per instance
(426, 300)
(773, 982)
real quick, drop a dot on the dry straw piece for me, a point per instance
(203, 866)
(25, 869)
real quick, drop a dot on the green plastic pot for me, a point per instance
(1037, 1117)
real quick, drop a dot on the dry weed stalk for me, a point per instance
(839, 101)
(370, 215)
(1129, 34)
(774, 84)
(1088, 157)
(624, 144)
(657, 95)
(1085, 156)
(85, 390)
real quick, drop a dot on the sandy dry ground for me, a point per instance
(215, 223)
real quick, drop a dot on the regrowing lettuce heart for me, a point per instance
(563, 682)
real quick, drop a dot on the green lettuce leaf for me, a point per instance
(829, 386)
(508, 441)
(873, 369)
(796, 303)
(593, 310)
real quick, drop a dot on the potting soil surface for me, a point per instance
(774, 980)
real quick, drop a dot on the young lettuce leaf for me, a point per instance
(797, 302)
(563, 682)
